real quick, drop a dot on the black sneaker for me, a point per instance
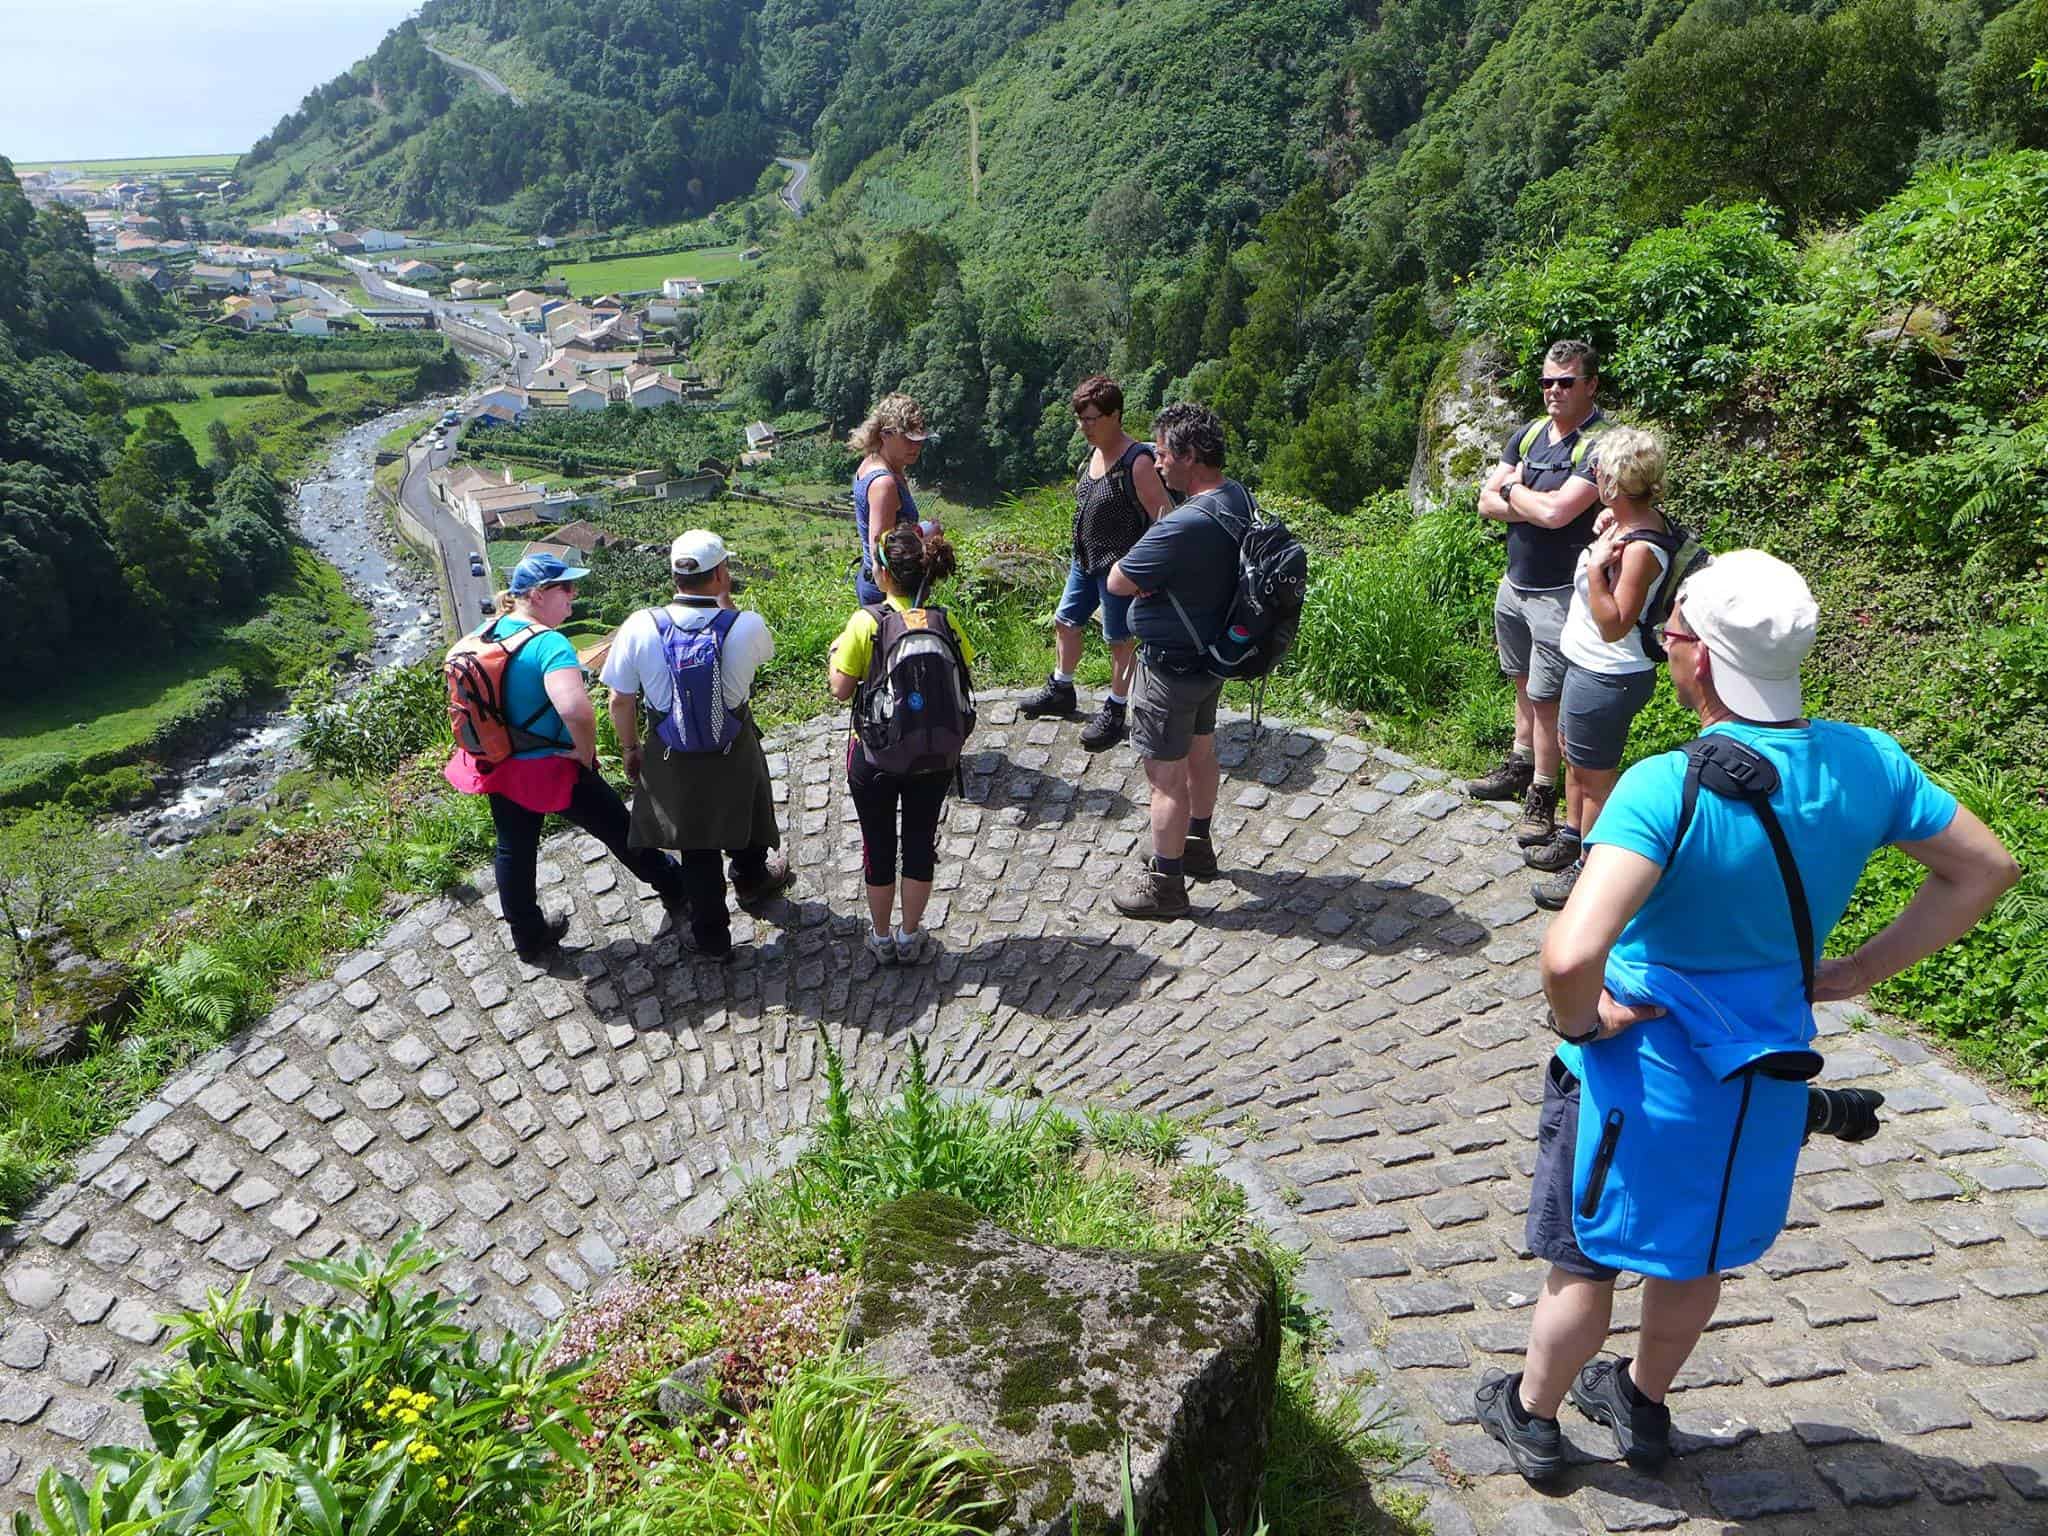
(547, 946)
(1106, 729)
(1534, 1445)
(1198, 858)
(1604, 1395)
(1053, 698)
(1510, 781)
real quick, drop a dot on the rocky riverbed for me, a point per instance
(340, 517)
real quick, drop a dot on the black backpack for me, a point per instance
(1122, 472)
(1683, 554)
(914, 710)
(1265, 613)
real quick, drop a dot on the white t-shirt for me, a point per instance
(637, 666)
(1580, 638)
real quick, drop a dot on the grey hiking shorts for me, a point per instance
(1526, 626)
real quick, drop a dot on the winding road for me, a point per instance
(476, 72)
(793, 189)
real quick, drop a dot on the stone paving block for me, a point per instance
(1627, 1501)
(1920, 1413)
(2028, 1477)
(2020, 1400)
(1752, 1493)
(1867, 1478)
(2011, 1281)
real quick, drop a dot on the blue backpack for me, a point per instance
(698, 719)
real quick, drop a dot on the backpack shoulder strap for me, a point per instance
(1529, 435)
(722, 622)
(1738, 772)
(1668, 541)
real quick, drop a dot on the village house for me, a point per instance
(586, 397)
(489, 503)
(653, 391)
(506, 397)
(308, 322)
(586, 538)
(416, 271)
(342, 245)
(127, 244)
(760, 436)
(141, 224)
(209, 277)
(639, 480)
(141, 272)
(248, 310)
(681, 288)
(274, 282)
(380, 240)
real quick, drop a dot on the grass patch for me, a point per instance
(291, 432)
(137, 163)
(631, 274)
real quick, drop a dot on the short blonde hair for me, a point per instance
(1631, 461)
(892, 413)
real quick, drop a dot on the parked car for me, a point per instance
(450, 418)
(487, 606)
(476, 565)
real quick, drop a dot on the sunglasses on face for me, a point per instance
(1672, 637)
(1559, 381)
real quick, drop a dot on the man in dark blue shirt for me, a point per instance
(1183, 573)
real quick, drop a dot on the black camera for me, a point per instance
(1848, 1114)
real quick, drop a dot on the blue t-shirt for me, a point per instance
(1844, 792)
(526, 690)
(1191, 555)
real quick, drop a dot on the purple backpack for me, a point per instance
(698, 719)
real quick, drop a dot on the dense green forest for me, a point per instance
(624, 111)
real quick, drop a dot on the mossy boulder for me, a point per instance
(73, 994)
(1054, 1356)
(1465, 419)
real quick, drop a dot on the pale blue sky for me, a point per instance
(91, 79)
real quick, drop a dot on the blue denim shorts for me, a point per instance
(1083, 595)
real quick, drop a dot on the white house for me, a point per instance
(308, 322)
(586, 397)
(760, 435)
(677, 288)
(417, 271)
(653, 390)
(248, 309)
(380, 240)
(506, 397)
(203, 275)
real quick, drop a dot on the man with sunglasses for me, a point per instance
(1543, 489)
(1681, 977)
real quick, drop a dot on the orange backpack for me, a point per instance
(478, 671)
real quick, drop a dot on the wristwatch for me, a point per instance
(1504, 493)
(1550, 1018)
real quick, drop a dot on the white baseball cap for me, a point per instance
(1756, 617)
(695, 552)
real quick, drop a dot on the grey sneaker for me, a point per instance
(1053, 698)
(1145, 892)
(1509, 781)
(1539, 816)
(1198, 858)
(1535, 1446)
(911, 947)
(1644, 1428)
(1106, 729)
(1554, 855)
(1552, 894)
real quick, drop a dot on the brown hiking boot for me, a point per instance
(1145, 892)
(776, 877)
(1539, 816)
(1509, 781)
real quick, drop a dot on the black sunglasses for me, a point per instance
(1559, 381)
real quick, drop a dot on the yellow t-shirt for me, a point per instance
(854, 650)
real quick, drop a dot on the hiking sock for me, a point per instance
(1198, 826)
(1571, 832)
(1521, 1416)
(1118, 700)
(1168, 867)
(1631, 1390)
(1062, 677)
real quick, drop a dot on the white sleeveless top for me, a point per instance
(1580, 639)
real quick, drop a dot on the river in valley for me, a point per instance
(340, 517)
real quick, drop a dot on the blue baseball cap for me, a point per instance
(543, 571)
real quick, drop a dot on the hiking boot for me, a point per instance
(1106, 729)
(882, 947)
(1534, 1445)
(1604, 1394)
(1145, 892)
(1552, 894)
(1053, 698)
(1539, 816)
(547, 946)
(1198, 859)
(1507, 782)
(1554, 855)
(775, 877)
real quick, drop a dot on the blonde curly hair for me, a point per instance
(1631, 461)
(892, 413)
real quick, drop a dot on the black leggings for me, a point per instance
(875, 797)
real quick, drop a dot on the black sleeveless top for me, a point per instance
(1108, 517)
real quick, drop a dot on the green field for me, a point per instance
(154, 163)
(194, 417)
(631, 274)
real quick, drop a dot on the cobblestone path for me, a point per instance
(1355, 1005)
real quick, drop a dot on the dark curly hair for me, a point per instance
(1191, 431)
(915, 560)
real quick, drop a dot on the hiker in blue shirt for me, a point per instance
(889, 442)
(1680, 976)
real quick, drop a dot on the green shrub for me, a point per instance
(378, 1414)
(1371, 636)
